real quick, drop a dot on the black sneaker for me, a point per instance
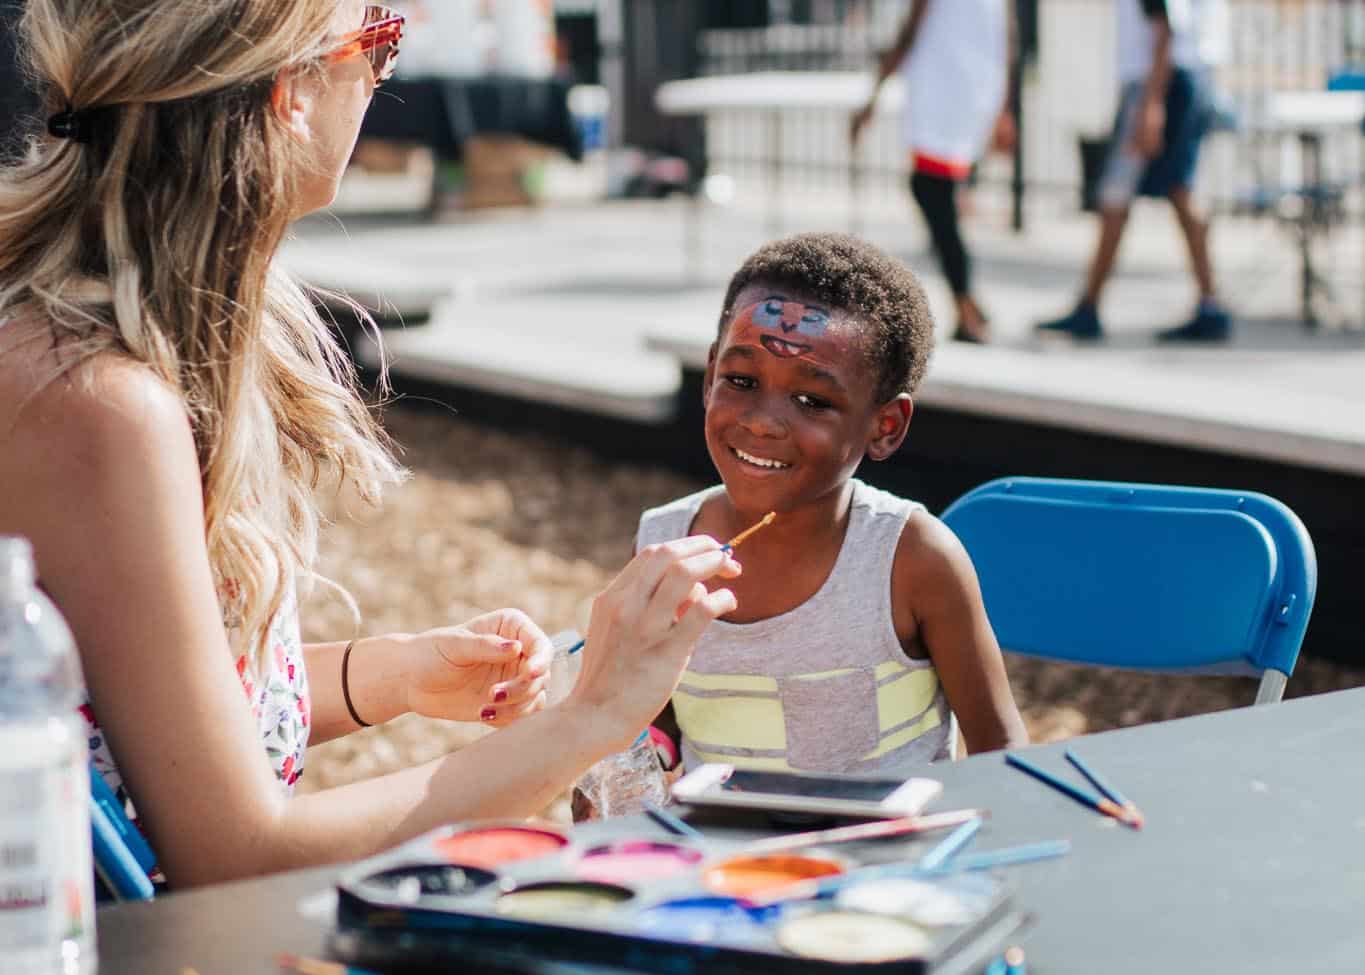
(1211, 323)
(1083, 323)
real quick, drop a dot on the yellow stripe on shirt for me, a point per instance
(733, 721)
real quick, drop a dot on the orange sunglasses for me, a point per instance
(377, 40)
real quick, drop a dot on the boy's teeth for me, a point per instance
(759, 461)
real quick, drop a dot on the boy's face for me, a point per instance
(791, 401)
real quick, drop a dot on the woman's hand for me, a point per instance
(642, 631)
(492, 669)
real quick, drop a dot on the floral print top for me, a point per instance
(279, 700)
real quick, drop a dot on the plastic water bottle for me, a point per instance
(625, 783)
(47, 919)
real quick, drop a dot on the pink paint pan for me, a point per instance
(636, 861)
(494, 845)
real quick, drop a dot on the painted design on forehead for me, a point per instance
(788, 320)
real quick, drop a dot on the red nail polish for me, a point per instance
(488, 714)
(500, 695)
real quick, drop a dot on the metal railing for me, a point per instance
(1069, 92)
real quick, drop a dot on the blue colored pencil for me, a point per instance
(1003, 857)
(1007, 856)
(1106, 806)
(1134, 814)
(949, 846)
(672, 823)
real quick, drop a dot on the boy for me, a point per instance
(1166, 49)
(860, 631)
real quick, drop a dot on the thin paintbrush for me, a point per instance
(864, 831)
(735, 542)
(671, 822)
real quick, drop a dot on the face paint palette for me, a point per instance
(518, 895)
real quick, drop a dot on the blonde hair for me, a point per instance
(154, 239)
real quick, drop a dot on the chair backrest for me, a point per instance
(1143, 576)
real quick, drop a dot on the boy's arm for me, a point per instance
(1152, 121)
(890, 61)
(934, 577)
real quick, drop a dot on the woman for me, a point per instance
(954, 58)
(169, 401)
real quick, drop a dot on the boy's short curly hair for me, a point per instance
(846, 272)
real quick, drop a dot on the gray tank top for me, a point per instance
(824, 687)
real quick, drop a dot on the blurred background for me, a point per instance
(546, 204)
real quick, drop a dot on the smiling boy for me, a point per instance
(860, 639)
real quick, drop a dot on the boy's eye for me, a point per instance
(812, 402)
(740, 382)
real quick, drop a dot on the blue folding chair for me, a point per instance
(1142, 576)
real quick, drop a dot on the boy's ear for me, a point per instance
(889, 427)
(710, 376)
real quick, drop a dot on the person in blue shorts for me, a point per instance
(1166, 52)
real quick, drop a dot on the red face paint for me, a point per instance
(495, 845)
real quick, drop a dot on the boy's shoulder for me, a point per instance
(929, 557)
(672, 519)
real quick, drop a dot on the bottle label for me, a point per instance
(46, 886)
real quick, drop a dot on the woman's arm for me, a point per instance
(935, 578)
(105, 481)
(492, 669)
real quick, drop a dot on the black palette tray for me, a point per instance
(414, 910)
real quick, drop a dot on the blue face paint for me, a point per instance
(776, 313)
(785, 321)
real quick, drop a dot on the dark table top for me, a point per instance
(1252, 859)
(443, 113)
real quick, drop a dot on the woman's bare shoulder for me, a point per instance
(96, 419)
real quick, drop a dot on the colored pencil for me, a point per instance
(738, 540)
(1007, 856)
(1106, 806)
(865, 831)
(985, 860)
(672, 823)
(950, 846)
(1134, 814)
(312, 966)
(1014, 961)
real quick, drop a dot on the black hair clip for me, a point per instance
(69, 124)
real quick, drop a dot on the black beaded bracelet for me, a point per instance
(346, 687)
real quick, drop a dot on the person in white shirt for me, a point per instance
(1166, 51)
(954, 58)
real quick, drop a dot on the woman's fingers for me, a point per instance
(681, 586)
(518, 690)
(462, 648)
(505, 714)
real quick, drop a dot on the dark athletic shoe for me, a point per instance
(1210, 324)
(1083, 323)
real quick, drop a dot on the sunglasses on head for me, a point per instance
(377, 40)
